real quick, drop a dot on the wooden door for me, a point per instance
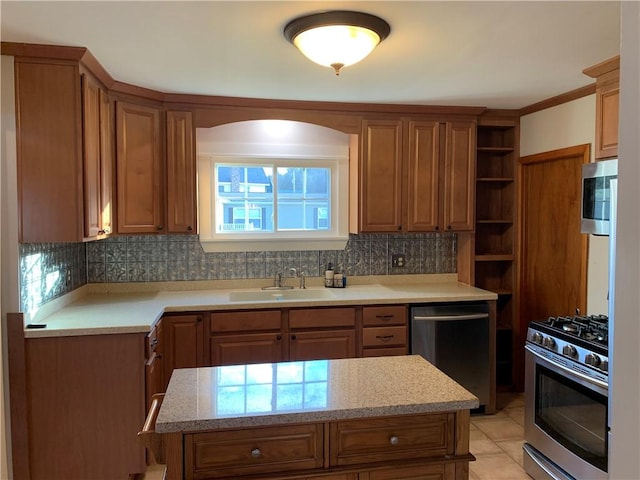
(326, 344)
(423, 191)
(182, 343)
(553, 278)
(139, 171)
(248, 348)
(181, 173)
(107, 163)
(381, 176)
(459, 177)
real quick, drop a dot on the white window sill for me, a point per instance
(275, 245)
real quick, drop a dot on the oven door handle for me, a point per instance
(574, 373)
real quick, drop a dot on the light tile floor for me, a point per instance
(496, 442)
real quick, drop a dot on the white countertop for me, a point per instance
(97, 309)
(240, 396)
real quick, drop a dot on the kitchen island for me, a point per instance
(362, 418)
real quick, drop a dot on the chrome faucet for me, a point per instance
(277, 280)
(300, 274)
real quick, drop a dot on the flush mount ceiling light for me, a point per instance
(336, 38)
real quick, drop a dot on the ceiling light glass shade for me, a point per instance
(338, 38)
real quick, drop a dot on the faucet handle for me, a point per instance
(293, 272)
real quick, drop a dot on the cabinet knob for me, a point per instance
(189, 228)
(448, 227)
(256, 453)
(159, 227)
(278, 337)
(101, 232)
(393, 440)
(293, 337)
(399, 227)
(437, 228)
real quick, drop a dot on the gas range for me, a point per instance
(577, 342)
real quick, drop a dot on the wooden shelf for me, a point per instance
(496, 235)
(495, 258)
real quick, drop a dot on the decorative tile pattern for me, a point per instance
(48, 271)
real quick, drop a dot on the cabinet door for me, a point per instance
(182, 343)
(49, 151)
(107, 164)
(91, 164)
(246, 348)
(380, 208)
(97, 159)
(318, 345)
(459, 176)
(607, 108)
(423, 192)
(181, 174)
(154, 369)
(139, 169)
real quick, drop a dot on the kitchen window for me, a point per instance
(248, 203)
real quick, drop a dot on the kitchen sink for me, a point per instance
(280, 295)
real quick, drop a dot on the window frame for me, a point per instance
(334, 238)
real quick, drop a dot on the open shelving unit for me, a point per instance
(495, 249)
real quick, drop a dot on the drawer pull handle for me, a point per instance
(256, 453)
(393, 440)
(154, 342)
(384, 338)
(385, 317)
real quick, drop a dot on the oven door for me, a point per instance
(565, 418)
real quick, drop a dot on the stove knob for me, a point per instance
(592, 359)
(537, 338)
(604, 366)
(549, 343)
(570, 351)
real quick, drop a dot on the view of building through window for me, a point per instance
(250, 198)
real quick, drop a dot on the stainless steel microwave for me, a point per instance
(596, 195)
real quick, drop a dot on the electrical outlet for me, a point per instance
(398, 260)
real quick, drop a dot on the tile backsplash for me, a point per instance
(48, 271)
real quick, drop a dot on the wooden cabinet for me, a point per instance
(406, 447)
(416, 176)
(229, 454)
(384, 330)
(495, 244)
(183, 339)
(98, 162)
(607, 75)
(154, 366)
(139, 169)
(49, 151)
(244, 337)
(181, 173)
(322, 333)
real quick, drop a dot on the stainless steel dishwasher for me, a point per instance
(455, 338)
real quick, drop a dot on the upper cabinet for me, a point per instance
(139, 169)
(64, 152)
(181, 173)
(416, 176)
(97, 135)
(607, 75)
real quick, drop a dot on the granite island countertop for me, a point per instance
(99, 309)
(244, 396)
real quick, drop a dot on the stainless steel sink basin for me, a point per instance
(280, 295)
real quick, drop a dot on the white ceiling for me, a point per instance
(496, 54)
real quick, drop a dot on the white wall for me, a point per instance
(625, 378)
(566, 125)
(9, 297)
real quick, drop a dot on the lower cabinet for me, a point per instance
(407, 447)
(322, 333)
(183, 343)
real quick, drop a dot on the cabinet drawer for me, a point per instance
(439, 471)
(322, 317)
(246, 321)
(391, 315)
(227, 454)
(384, 336)
(384, 352)
(391, 438)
